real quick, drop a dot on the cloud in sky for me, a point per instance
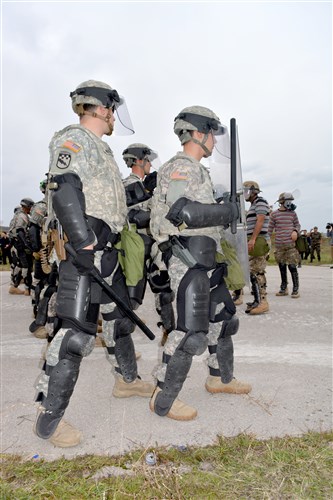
(266, 64)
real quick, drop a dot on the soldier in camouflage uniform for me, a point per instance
(37, 215)
(187, 223)
(88, 199)
(139, 188)
(315, 236)
(21, 266)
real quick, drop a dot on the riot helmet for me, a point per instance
(200, 119)
(96, 93)
(26, 202)
(250, 188)
(139, 151)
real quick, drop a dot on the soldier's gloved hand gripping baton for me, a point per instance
(94, 273)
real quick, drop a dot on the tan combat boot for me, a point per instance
(238, 299)
(282, 292)
(26, 292)
(41, 333)
(261, 308)
(178, 411)
(13, 290)
(65, 435)
(138, 387)
(215, 385)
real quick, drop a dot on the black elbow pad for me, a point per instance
(139, 217)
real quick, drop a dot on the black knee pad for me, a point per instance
(76, 343)
(74, 299)
(229, 327)
(194, 343)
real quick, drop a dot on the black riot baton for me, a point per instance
(233, 169)
(94, 273)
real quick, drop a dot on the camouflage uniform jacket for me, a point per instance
(182, 176)
(19, 221)
(77, 149)
(37, 213)
(315, 239)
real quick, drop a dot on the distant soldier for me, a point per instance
(39, 280)
(139, 188)
(21, 267)
(284, 222)
(315, 236)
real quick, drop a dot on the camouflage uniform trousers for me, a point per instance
(257, 268)
(52, 355)
(15, 268)
(177, 270)
(287, 254)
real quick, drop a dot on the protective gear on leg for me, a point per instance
(194, 343)
(78, 299)
(166, 311)
(65, 435)
(294, 277)
(214, 385)
(178, 411)
(124, 349)
(225, 358)
(256, 293)
(63, 376)
(284, 282)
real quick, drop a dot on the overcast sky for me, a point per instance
(267, 64)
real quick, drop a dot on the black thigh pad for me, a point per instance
(193, 301)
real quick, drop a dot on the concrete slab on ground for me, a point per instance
(286, 354)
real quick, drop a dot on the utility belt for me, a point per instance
(193, 251)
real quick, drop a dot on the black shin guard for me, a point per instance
(177, 370)
(225, 358)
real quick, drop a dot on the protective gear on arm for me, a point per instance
(194, 214)
(69, 205)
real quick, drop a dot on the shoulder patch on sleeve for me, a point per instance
(179, 175)
(72, 146)
(64, 160)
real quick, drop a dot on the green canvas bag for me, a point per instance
(131, 254)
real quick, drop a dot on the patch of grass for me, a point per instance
(234, 468)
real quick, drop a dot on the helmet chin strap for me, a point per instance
(103, 118)
(202, 145)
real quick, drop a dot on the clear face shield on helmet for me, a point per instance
(110, 99)
(123, 123)
(154, 160)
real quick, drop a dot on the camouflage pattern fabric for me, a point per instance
(181, 176)
(257, 267)
(287, 254)
(76, 149)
